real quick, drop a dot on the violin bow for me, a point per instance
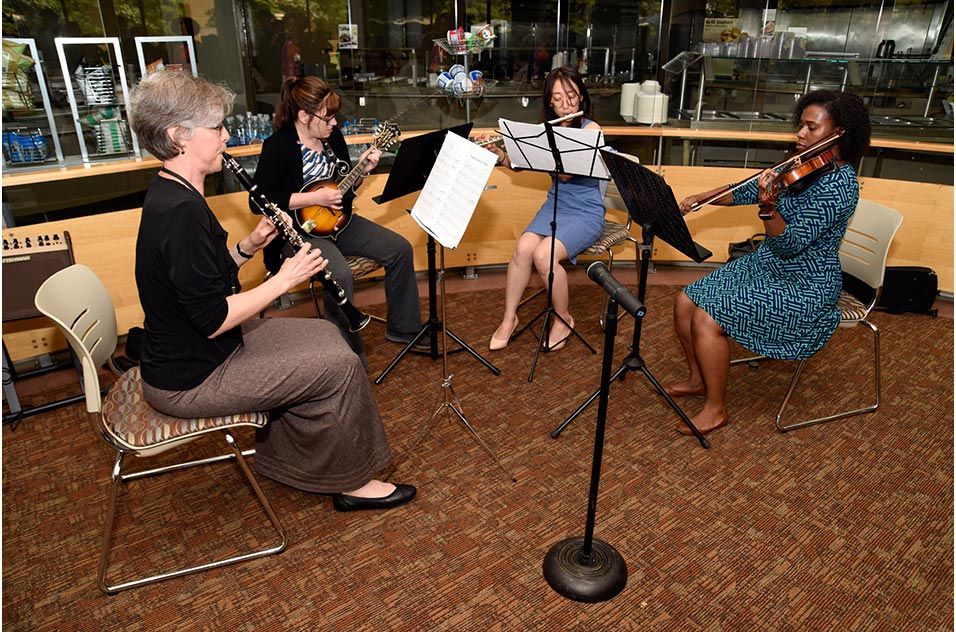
(812, 149)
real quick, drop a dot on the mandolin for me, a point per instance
(321, 221)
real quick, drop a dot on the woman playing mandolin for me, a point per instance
(781, 300)
(305, 150)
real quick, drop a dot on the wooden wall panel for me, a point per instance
(106, 242)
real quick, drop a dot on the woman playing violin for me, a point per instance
(781, 300)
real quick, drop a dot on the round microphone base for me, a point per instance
(572, 575)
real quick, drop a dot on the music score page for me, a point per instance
(452, 190)
(528, 148)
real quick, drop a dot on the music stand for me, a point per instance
(558, 151)
(651, 203)
(446, 218)
(413, 163)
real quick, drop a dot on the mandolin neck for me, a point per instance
(349, 181)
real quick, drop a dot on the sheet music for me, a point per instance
(528, 148)
(450, 195)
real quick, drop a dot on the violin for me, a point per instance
(786, 164)
(804, 173)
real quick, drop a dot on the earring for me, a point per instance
(182, 151)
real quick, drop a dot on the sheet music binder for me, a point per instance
(650, 200)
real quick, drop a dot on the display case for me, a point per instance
(29, 128)
(904, 94)
(94, 77)
(171, 52)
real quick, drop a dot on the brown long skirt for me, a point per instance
(325, 434)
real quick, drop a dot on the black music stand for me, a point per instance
(413, 163)
(538, 148)
(651, 203)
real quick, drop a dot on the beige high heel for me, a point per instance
(557, 346)
(498, 344)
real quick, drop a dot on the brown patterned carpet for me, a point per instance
(845, 526)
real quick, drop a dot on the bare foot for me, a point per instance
(685, 388)
(373, 489)
(705, 421)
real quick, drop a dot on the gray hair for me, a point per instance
(175, 99)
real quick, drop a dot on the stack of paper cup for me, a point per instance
(629, 92)
(651, 104)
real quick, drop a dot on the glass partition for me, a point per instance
(752, 59)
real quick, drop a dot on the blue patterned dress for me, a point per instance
(781, 301)
(580, 219)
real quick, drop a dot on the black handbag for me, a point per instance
(738, 249)
(909, 289)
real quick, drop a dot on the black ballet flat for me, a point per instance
(401, 495)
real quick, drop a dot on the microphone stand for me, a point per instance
(584, 568)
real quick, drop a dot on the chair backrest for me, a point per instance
(867, 242)
(77, 301)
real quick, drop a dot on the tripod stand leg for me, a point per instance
(557, 431)
(477, 355)
(426, 328)
(634, 363)
(677, 409)
(456, 407)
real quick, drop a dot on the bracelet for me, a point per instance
(363, 176)
(241, 253)
(767, 210)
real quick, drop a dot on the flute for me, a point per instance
(357, 320)
(566, 118)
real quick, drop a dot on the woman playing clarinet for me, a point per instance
(205, 353)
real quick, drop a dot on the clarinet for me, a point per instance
(357, 320)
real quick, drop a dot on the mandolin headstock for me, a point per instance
(387, 135)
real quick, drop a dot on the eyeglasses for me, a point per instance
(325, 119)
(216, 128)
(573, 100)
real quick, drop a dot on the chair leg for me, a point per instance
(117, 477)
(858, 411)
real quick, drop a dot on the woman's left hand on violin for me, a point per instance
(766, 190)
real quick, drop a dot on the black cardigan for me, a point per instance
(279, 175)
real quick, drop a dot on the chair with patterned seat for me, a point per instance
(863, 255)
(80, 306)
(614, 235)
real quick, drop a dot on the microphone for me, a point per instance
(599, 273)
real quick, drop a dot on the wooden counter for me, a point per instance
(106, 242)
(15, 178)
